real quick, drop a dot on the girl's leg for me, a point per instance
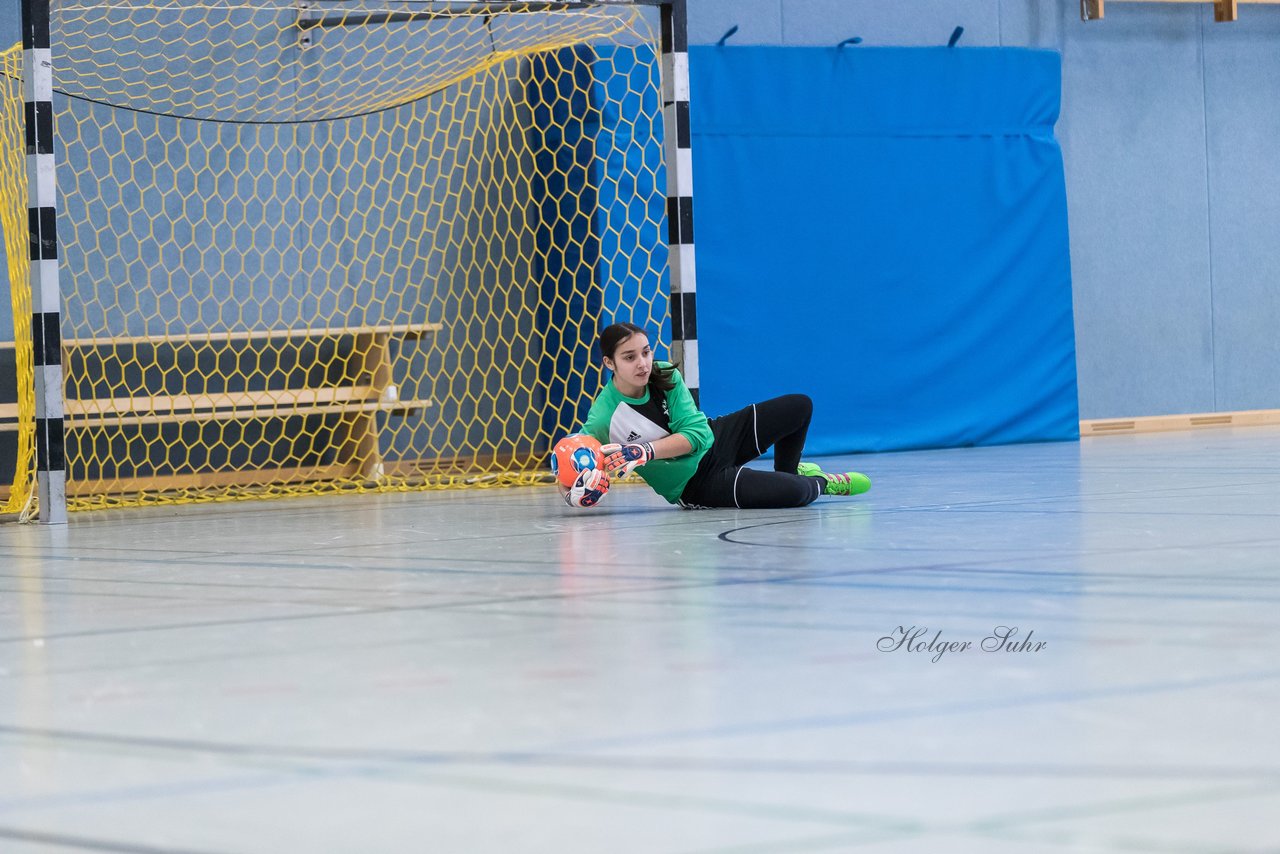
(760, 490)
(750, 489)
(782, 422)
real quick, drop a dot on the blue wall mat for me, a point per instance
(885, 230)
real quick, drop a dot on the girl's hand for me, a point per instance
(626, 458)
(588, 489)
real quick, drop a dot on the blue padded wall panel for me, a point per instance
(885, 230)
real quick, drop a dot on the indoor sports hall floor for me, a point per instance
(488, 671)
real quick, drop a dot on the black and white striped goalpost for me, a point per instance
(46, 313)
(679, 157)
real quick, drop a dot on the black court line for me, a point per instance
(225, 560)
(1025, 591)
(1003, 704)
(990, 567)
(1080, 640)
(742, 620)
(129, 518)
(260, 655)
(349, 612)
(46, 578)
(950, 613)
(727, 536)
(196, 600)
(89, 844)
(233, 562)
(660, 763)
(493, 600)
(797, 579)
(1067, 511)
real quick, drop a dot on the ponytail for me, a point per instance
(662, 379)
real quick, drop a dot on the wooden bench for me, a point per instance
(340, 371)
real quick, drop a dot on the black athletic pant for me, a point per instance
(740, 437)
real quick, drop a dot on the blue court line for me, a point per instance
(489, 634)
(1014, 591)
(372, 610)
(650, 800)
(941, 837)
(63, 840)
(1083, 637)
(199, 585)
(239, 562)
(572, 792)
(650, 587)
(909, 713)
(799, 580)
(143, 746)
(945, 613)
(749, 610)
(842, 841)
(578, 791)
(194, 598)
(961, 567)
(1067, 511)
(746, 611)
(1109, 579)
(1140, 803)
(353, 562)
(282, 513)
(728, 537)
(896, 825)
(133, 793)
(1092, 576)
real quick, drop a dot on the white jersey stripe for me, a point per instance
(627, 426)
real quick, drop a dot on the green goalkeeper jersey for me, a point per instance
(616, 419)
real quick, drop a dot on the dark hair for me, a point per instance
(611, 336)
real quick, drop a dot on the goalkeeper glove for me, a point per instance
(626, 458)
(588, 489)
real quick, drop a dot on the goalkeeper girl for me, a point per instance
(647, 421)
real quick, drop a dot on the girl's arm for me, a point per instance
(675, 445)
(687, 420)
(627, 458)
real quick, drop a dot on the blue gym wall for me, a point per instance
(1169, 127)
(886, 230)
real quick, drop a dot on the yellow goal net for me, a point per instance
(310, 247)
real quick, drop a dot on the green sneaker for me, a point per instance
(851, 483)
